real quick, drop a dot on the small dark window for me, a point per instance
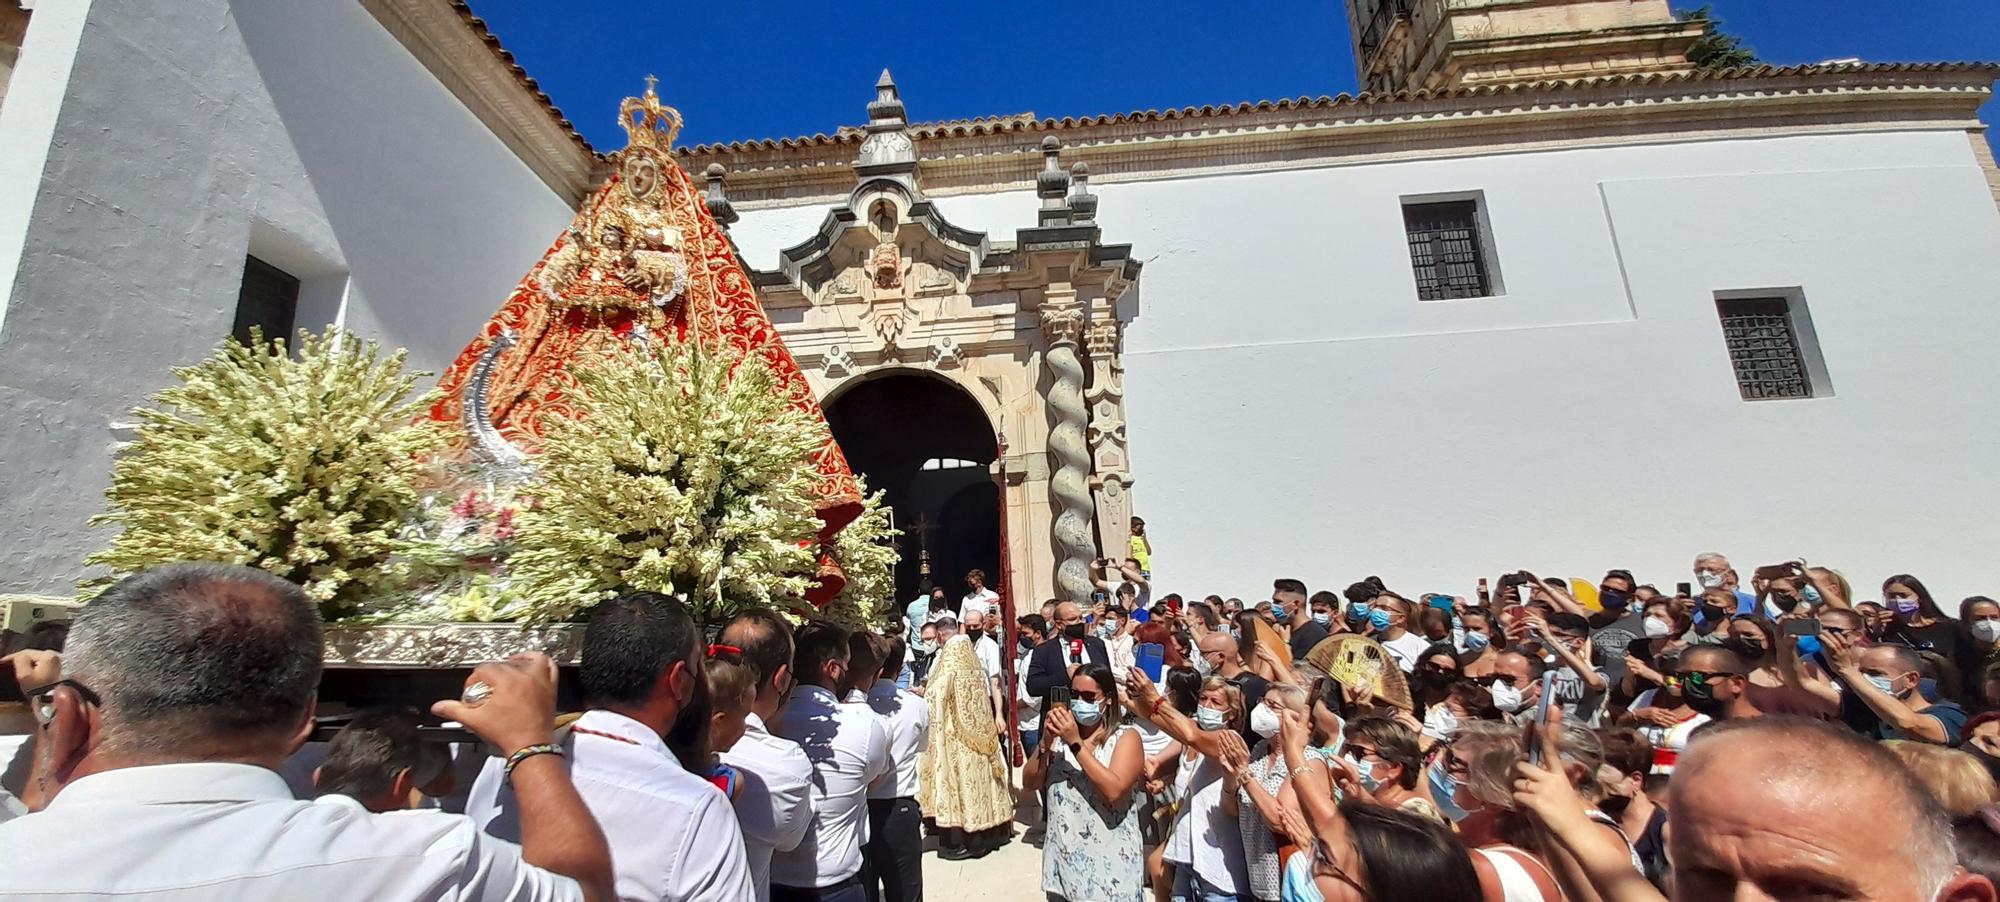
(1447, 250)
(1764, 348)
(269, 300)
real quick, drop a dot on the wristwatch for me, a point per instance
(1075, 747)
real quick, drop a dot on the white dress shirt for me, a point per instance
(849, 750)
(988, 652)
(672, 834)
(983, 601)
(908, 718)
(214, 831)
(773, 797)
(1028, 708)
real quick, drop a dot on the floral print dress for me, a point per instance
(1095, 853)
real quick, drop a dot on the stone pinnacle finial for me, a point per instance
(716, 197)
(1052, 183)
(1082, 203)
(887, 107)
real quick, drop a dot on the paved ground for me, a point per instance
(1012, 873)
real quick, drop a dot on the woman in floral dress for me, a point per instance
(1091, 761)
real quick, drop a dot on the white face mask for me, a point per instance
(1710, 579)
(1986, 630)
(1506, 697)
(1209, 719)
(1264, 721)
(1201, 664)
(1440, 723)
(1657, 628)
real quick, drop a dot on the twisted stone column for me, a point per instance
(1070, 484)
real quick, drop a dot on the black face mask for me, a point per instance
(1613, 600)
(1025, 643)
(1702, 699)
(1750, 651)
(976, 635)
(1785, 603)
(1711, 614)
(1075, 630)
(1615, 805)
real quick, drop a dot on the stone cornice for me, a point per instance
(1002, 154)
(468, 60)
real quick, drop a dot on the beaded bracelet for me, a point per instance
(524, 754)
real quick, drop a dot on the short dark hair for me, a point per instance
(1394, 744)
(1723, 653)
(1621, 573)
(1035, 622)
(1626, 750)
(814, 644)
(892, 657)
(364, 758)
(1324, 597)
(1288, 586)
(1568, 622)
(865, 651)
(764, 637)
(199, 656)
(629, 642)
(1362, 592)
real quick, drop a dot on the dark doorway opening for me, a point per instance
(928, 447)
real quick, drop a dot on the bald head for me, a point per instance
(975, 619)
(1222, 644)
(1833, 814)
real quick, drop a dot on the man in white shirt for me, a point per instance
(185, 688)
(892, 861)
(978, 598)
(987, 650)
(774, 790)
(673, 836)
(849, 750)
(1389, 616)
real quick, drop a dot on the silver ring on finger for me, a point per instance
(476, 694)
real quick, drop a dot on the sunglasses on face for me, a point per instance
(1086, 695)
(1703, 677)
(1359, 752)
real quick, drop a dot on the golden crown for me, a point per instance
(649, 123)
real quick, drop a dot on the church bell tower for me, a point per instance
(1415, 45)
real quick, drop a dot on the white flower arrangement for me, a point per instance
(302, 465)
(684, 470)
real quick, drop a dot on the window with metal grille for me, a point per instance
(268, 299)
(1446, 250)
(1764, 348)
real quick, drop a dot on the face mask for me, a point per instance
(1615, 805)
(1368, 778)
(1779, 605)
(1710, 579)
(1883, 683)
(1444, 791)
(976, 635)
(1811, 594)
(1712, 613)
(1440, 723)
(1106, 631)
(1476, 641)
(1986, 630)
(1904, 606)
(1750, 650)
(1074, 630)
(1209, 719)
(1378, 618)
(1024, 643)
(1702, 698)
(1278, 608)
(1506, 697)
(1323, 618)
(1613, 600)
(1087, 714)
(1264, 721)
(1201, 664)
(1357, 610)
(1658, 629)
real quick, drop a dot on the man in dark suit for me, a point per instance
(1068, 645)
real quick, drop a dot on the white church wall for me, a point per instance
(1293, 409)
(191, 134)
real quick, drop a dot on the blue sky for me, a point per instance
(764, 68)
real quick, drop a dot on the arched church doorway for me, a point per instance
(928, 447)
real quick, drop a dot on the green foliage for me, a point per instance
(866, 552)
(684, 470)
(1717, 49)
(304, 467)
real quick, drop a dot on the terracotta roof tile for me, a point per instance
(993, 125)
(492, 41)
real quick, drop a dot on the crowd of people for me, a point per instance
(1774, 738)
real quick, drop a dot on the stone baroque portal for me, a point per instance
(1031, 329)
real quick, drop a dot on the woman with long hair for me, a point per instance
(1163, 755)
(963, 779)
(1204, 845)
(1357, 850)
(1091, 763)
(1919, 623)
